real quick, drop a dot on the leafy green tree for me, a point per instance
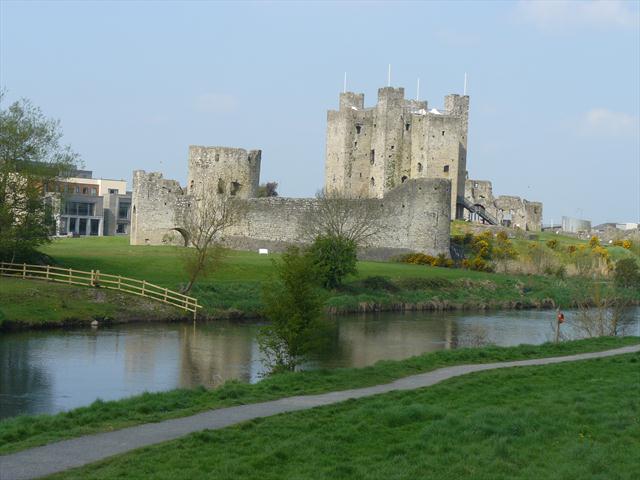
(626, 274)
(334, 257)
(293, 303)
(31, 159)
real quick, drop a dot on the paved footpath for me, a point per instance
(59, 456)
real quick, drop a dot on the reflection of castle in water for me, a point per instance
(211, 355)
(367, 339)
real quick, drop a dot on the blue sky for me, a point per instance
(554, 86)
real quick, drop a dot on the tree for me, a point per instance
(338, 215)
(294, 305)
(626, 273)
(269, 189)
(337, 226)
(202, 223)
(31, 160)
(334, 259)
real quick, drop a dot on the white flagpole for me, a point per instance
(344, 88)
(389, 76)
(418, 91)
(465, 83)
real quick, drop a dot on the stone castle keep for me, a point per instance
(406, 160)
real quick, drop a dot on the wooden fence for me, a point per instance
(102, 280)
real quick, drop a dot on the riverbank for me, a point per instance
(570, 420)
(235, 290)
(27, 431)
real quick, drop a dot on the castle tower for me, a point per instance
(228, 171)
(370, 151)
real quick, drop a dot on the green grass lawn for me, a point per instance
(570, 421)
(235, 289)
(27, 431)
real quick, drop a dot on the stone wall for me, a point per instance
(230, 171)
(370, 151)
(415, 216)
(508, 210)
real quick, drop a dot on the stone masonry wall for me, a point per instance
(370, 151)
(508, 210)
(416, 217)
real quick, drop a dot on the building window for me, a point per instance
(404, 178)
(77, 189)
(220, 186)
(85, 190)
(358, 129)
(419, 167)
(407, 127)
(446, 169)
(121, 228)
(123, 210)
(443, 133)
(393, 147)
(372, 157)
(94, 191)
(373, 182)
(235, 188)
(113, 190)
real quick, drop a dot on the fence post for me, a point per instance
(91, 281)
(24, 270)
(166, 291)
(70, 275)
(47, 272)
(119, 281)
(96, 280)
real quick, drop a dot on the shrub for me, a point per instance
(628, 244)
(423, 283)
(552, 244)
(571, 249)
(626, 273)
(594, 242)
(334, 258)
(379, 283)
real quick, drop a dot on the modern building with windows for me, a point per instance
(91, 206)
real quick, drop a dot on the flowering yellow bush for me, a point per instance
(627, 244)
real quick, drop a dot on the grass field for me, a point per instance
(27, 431)
(568, 421)
(235, 289)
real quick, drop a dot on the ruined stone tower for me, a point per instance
(230, 171)
(373, 150)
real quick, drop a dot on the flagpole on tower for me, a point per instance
(389, 76)
(465, 83)
(418, 91)
(344, 87)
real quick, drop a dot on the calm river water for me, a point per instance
(51, 371)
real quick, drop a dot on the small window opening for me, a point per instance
(407, 126)
(191, 184)
(360, 174)
(446, 168)
(404, 178)
(358, 129)
(373, 182)
(443, 133)
(419, 167)
(217, 157)
(355, 144)
(235, 187)
(393, 147)
(220, 186)
(372, 157)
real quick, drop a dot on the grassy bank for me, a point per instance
(28, 431)
(577, 420)
(235, 289)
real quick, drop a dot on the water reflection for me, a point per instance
(46, 372)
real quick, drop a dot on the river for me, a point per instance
(55, 370)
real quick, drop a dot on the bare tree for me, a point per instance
(203, 222)
(602, 317)
(338, 215)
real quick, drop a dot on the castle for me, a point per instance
(406, 160)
